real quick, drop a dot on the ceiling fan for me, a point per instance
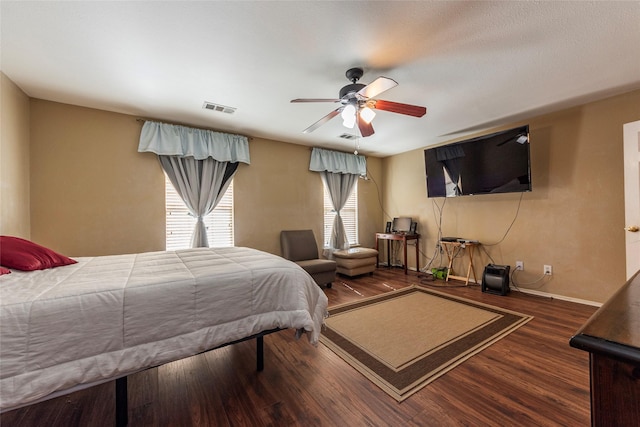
(357, 103)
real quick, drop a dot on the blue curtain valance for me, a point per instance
(175, 140)
(337, 162)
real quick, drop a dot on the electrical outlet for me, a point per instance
(547, 270)
(519, 265)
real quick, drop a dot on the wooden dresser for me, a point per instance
(612, 338)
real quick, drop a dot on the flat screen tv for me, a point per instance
(495, 163)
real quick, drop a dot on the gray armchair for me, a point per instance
(300, 247)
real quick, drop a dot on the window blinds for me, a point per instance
(180, 224)
(349, 216)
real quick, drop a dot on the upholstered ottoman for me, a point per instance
(355, 261)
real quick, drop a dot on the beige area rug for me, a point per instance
(403, 340)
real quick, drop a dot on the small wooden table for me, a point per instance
(400, 237)
(451, 248)
(612, 338)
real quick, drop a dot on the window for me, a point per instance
(349, 216)
(180, 224)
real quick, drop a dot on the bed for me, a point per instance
(103, 318)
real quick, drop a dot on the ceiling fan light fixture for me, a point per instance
(357, 103)
(349, 123)
(367, 114)
(349, 116)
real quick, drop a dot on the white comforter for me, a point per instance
(106, 317)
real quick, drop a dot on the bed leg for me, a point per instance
(260, 352)
(122, 415)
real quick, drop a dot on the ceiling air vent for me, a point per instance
(217, 107)
(347, 136)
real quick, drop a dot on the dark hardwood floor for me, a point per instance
(529, 378)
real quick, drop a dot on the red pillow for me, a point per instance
(24, 255)
(4, 271)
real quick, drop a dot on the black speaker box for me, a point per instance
(495, 279)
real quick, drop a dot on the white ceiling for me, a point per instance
(474, 65)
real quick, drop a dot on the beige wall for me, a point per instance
(573, 219)
(370, 203)
(94, 194)
(278, 192)
(14, 160)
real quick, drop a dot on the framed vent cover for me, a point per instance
(217, 107)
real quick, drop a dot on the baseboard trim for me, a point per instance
(556, 296)
(526, 291)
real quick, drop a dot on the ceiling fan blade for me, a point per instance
(315, 100)
(396, 107)
(377, 86)
(366, 129)
(322, 121)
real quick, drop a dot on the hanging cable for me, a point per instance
(510, 225)
(515, 284)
